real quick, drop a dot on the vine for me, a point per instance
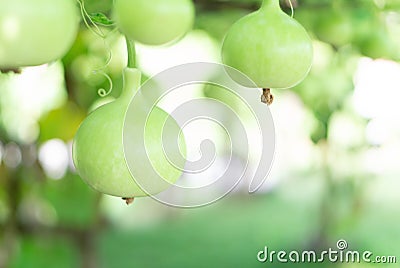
(92, 22)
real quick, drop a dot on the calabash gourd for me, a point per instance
(98, 150)
(270, 47)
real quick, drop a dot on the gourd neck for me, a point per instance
(270, 5)
(131, 83)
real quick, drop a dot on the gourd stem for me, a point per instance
(131, 83)
(130, 46)
(131, 74)
(270, 4)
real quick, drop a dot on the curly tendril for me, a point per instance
(291, 8)
(88, 21)
(103, 92)
(96, 30)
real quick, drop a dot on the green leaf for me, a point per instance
(101, 18)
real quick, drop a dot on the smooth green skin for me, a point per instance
(34, 32)
(98, 146)
(154, 22)
(270, 47)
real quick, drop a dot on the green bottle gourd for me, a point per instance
(155, 22)
(98, 151)
(34, 32)
(270, 47)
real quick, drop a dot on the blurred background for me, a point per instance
(335, 176)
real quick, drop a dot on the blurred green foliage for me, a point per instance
(42, 251)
